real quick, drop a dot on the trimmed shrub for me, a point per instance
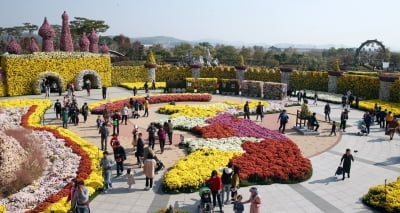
(364, 86)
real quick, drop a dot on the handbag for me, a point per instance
(339, 171)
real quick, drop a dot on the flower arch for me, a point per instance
(38, 80)
(94, 78)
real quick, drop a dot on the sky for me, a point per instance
(317, 22)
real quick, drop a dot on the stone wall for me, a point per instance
(332, 83)
(384, 90)
(274, 91)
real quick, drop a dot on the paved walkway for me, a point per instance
(377, 159)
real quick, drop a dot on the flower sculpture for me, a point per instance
(104, 49)
(33, 46)
(13, 47)
(151, 60)
(94, 42)
(66, 43)
(84, 43)
(47, 33)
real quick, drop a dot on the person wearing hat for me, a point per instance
(106, 164)
(254, 200)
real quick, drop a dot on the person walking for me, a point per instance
(382, 115)
(170, 131)
(333, 128)
(254, 200)
(130, 178)
(146, 108)
(327, 112)
(161, 137)
(216, 187)
(116, 117)
(389, 117)
(82, 198)
(135, 132)
(104, 92)
(146, 87)
(259, 111)
(134, 91)
(57, 109)
(106, 164)
(85, 111)
(343, 119)
(47, 91)
(246, 110)
(347, 158)
(153, 84)
(238, 206)
(283, 118)
(235, 182)
(65, 118)
(139, 150)
(367, 120)
(104, 132)
(124, 113)
(226, 182)
(149, 170)
(152, 135)
(392, 126)
(315, 98)
(120, 157)
(88, 87)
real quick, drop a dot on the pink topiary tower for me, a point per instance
(104, 49)
(47, 33)
(84, 43)
(66, 43)
(33, 46)
(94, 42)
(13, 47)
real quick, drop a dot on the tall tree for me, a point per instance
(30, 28)
(81, 24)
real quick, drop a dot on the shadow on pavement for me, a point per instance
(389, 161)
(326, 181)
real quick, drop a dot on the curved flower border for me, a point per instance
(88, 167)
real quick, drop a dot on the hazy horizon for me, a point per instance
(310, 22)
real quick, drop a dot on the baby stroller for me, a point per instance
(206, 205)
(362, 127)
(159, 165)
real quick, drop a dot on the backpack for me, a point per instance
(226, 178)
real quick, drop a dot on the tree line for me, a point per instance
(135, 52)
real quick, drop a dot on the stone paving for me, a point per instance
(376, 159)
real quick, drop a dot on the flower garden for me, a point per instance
(67, 156)
(223, 138)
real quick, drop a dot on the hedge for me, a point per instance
(364, 86)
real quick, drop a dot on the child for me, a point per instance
(238, 206)
(98, 122)
(130, 178)
(333, 130)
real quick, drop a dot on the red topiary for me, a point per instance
(94, 42)
(33, 46)
(66, 38)
(104, 49)
(13, 47)
(47, 33)
(84, 43)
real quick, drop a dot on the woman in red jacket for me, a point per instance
(216, 187)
